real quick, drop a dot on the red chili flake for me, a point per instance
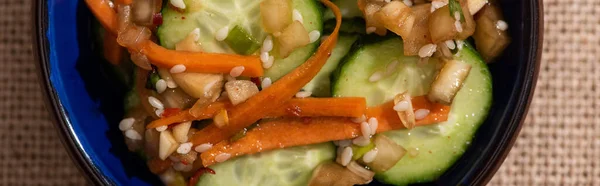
(256, 81)
(184, 162)
(183, 17)
(170, 112)
(200, 172)
(157, 19)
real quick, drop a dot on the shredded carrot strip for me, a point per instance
(289, 132)
(124, 2)
(258, 106)
(305, 107)
(194, 61)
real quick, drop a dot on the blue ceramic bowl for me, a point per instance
(87, 106)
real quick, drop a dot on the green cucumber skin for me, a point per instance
(439, 145)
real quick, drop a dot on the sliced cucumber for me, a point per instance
(432, 149)
(320, 84)
(348, 8)
(241, 41)
(290, 166)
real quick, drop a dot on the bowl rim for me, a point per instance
(91, 172)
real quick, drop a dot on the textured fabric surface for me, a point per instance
(558, 145)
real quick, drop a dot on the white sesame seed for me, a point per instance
(361, 141)
(266, 83)
(162, 128)
(373, 124)
(237, 71)
(437, 4)
(427, 50)
(222, 157)
(264, 57)
(401, 106)
(177, 69)
(344, 143)
(457, 16)
(359, 119)
(346, 156)
(459, 44)
(267, 44)
(203, 147)
(370, 156)
(126, 124)
(132, 134)
(391, 67)
(421, 113)
(376, 76)
(178, 3)
(408, 2)
(196, 34)
(222, 33)
(270, 63)
(296, 16)
(387, 1)
(159, 112)
(161, 86)
(365, 130)
(450, 44)
(171, 84)
(303, 94)
(183, 167)
(371, 30)
(155, 102)
(458, 26)
(314, 35)
(184, 148)
(501, 25)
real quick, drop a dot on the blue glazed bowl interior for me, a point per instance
(88, 105)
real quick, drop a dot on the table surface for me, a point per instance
(558, 145)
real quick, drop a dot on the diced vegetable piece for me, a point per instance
(360, 171)
(176, 98)
(151, 138)
(489, 40)
(180, 131)
(190, 42)
(241, 41)
(167, 144)
(143, 12)
(476, 5)
(200, 85)
(358, 151)
(454, 7)
(404, 108)
(448, 82)
(275, 15)
(369, 8)
(396, 17)
(389, 153)
(294, 36)
(331, 173)
(468, 24)
(239, 91)
(441, 25)
(158, 166)
(419, 35)
(221, 118)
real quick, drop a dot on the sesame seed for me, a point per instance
(303, 94)
(371, 30)
(296, 16)
(171, 84)
(203, 147)
(359, 119)
(427, 50)
(450, 44)
(344, 143)
(222, 33)
(373, 124)
(126, 124)
(457, 16)
(162, 128)
(267, 44)
(365, 130)
(264, 57)
(178, 3)
(196, 34)
(159, 112)
(376, 76)
(458, 26)
(222, 157)
(361, 141)
(177, 69)
(459, 44)
(237, 71)
(132, 134)
(161, 86)
(346, 156)
(265, 83)
(370, 156)
(401, 106)
(155, 102)
(421, 113)
(408, 2)
(501, 25)
(314, 35)
(184, 148)
(269, 63)
(437, 4)
(391, 67)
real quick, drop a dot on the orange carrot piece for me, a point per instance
(104, 13)
(289, 132)
(258, 106)
(310, 107)
(113, 52)
(124, 2)
(305, 107)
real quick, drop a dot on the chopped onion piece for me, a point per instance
(389, 153)
(239, 91)
(448, 82)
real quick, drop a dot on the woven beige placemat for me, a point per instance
(558, 145)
